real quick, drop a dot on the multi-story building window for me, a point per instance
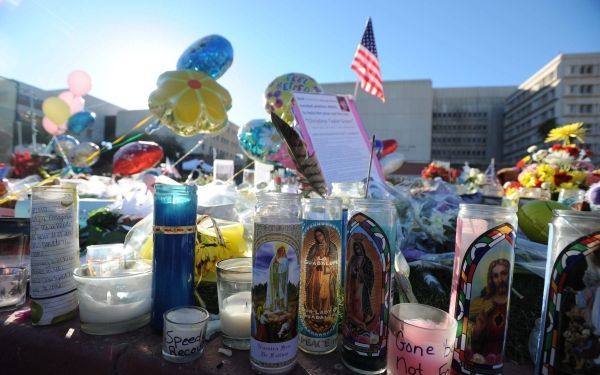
(585, 108)
(586, 89)
(586, 69)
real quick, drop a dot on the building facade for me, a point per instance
(565, 90)
(21, 118)
(405, 116)
(224, 145)
(467, 124)
(451, 124)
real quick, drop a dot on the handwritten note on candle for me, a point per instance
(54, 254)
(183, 333)
(410, 353)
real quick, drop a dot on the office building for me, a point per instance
(565, 90)
(449, 124)
(467, 124)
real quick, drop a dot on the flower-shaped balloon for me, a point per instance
(190, 102)
(259, 140)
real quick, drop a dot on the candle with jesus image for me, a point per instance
(481, 283)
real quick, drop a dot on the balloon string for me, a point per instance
(187, 153)
(240, 171)
(62, 152)
(118, 140)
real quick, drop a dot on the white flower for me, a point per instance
(480, 179)
(560, 159)
(473, 172)
(531, 149)
(506, 185)
(540, 155)
(545, 185)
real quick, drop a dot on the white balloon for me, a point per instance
(391, 162)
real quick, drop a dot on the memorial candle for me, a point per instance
(174, 241)
(234, 283)
(235, 315)
(420, 340)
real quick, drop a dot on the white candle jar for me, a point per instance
(234, 285)
(117, 302)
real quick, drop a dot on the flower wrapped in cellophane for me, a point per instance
(561, 166)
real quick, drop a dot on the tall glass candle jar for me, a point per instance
(275, 282)
(174, 241)
(370, 246)
(54, 244)
(345, 191)
(481, 283)
(320, 274)
(569, 339)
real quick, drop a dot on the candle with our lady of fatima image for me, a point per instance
(275, 282)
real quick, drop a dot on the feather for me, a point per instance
(306, 165)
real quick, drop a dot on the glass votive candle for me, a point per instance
(421, 340)
(105, 258)
(13, 285)
(118, 301)
(234, 286)
(183, 333)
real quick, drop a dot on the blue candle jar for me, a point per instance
(174, 241)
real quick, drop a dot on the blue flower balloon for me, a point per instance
(211, 55)
(259, 140)
(80, 121)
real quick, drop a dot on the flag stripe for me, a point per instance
(366, 55)
(365, 82)
(366, 67)
(366, 64)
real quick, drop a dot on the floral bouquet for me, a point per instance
(471, 180)
(562, 166)
(441, 170)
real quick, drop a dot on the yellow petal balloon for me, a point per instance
(56, 110)
(190, 102)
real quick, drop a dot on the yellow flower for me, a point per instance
(545, 172)
(568, 185)
(190, 102)
(566, 132)
(527, 179)
(578, 176)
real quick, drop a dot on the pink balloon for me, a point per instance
(75, 103)
(66, 96)
(52, 128)
(79, 82)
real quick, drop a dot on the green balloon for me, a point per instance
(535, 216)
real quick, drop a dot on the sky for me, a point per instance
(125, 45)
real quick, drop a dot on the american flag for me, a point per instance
(366, 64)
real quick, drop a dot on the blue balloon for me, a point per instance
(210, 55)
(80, 120)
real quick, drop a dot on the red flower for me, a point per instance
(561, 177)
(572, 150)
(556, 147)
